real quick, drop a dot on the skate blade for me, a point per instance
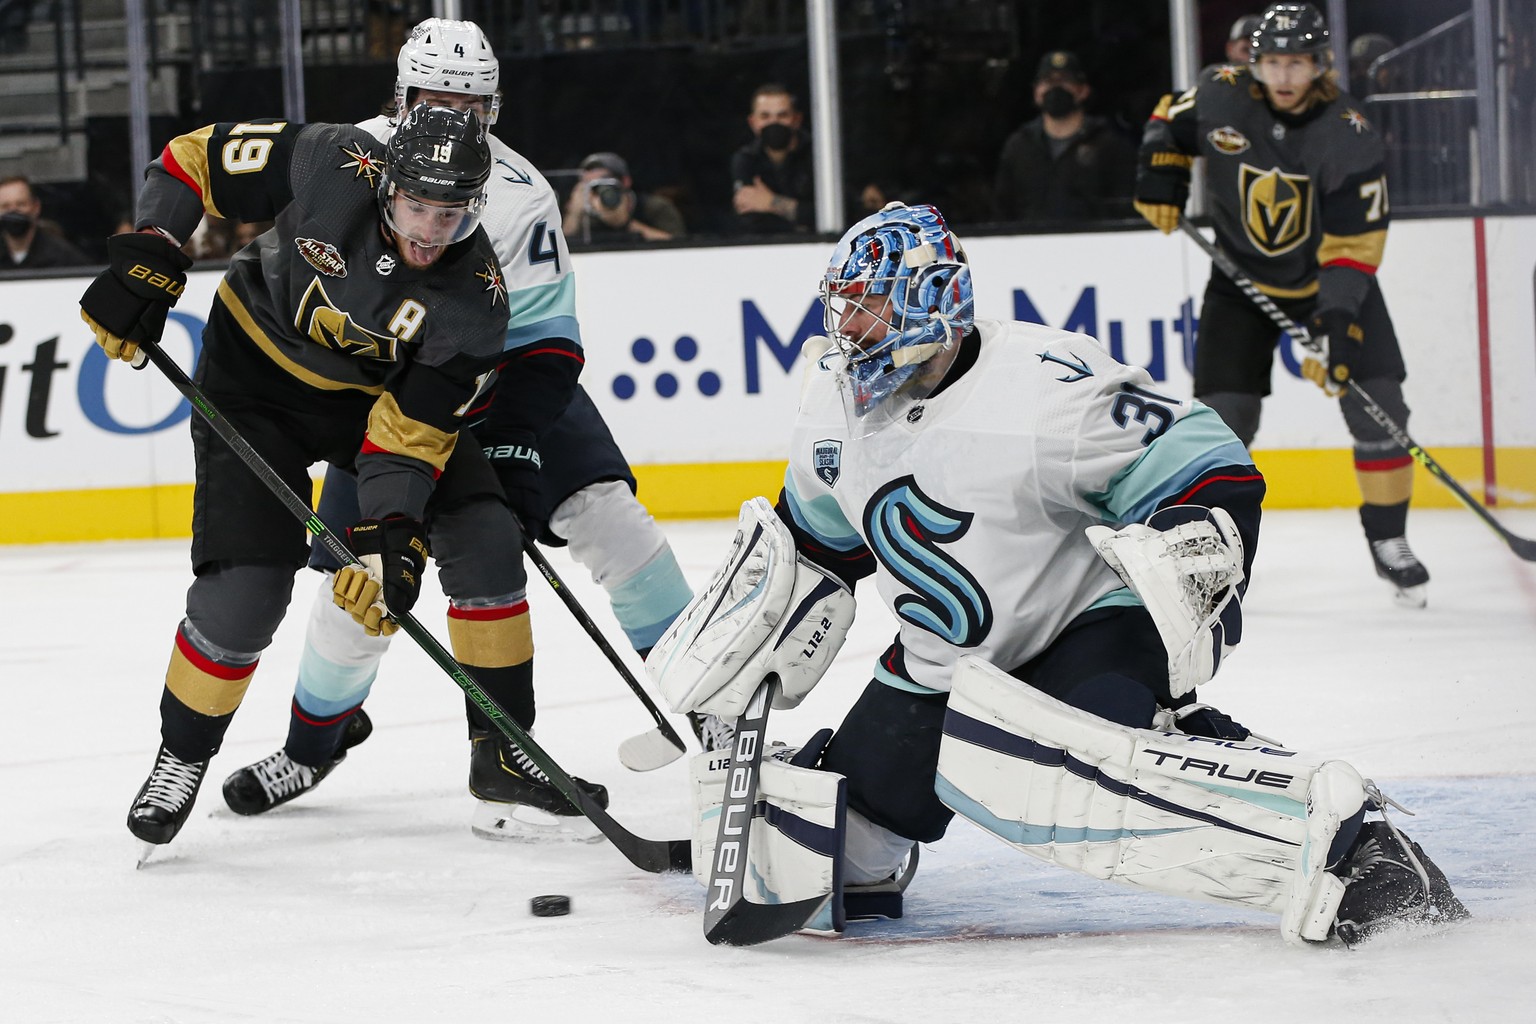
(520, 823)
(1411, 597)
(145, 850)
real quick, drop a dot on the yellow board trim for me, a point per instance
(1308, 478)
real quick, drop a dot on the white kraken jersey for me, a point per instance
(522, 218)
(974, 505)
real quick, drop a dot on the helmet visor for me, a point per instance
(431, 222)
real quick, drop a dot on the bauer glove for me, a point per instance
(1340, 342)
(520, 468)
(394, 554)
(127, 303)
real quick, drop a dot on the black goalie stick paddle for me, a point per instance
(1524, 547)
(730, 919)
(647, 854)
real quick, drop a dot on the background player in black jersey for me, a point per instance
(356, 332)
(1298, 197)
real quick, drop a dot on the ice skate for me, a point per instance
(165, 800)
(881, 899)
(1397, 564)
(1391, 881)
(713, 732)
(277, 779)
(516, 801)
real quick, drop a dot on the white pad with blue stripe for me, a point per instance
(795, 840)
(1211, 819)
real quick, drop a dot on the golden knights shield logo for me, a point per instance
(1276, 208)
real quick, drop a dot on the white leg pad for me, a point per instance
(795, 843)
(1211, 819)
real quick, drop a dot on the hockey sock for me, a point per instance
(312, 740)
(511, 688)
(204, 684)
(1383, 522)
(495, 643)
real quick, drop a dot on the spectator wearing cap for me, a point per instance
(773, 176)
(31, 242)
(604, 206)
(1240, 39)
(1065, 165)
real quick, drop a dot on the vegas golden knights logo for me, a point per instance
(1276, 208)
(322, 322)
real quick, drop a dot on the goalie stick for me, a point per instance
(730, 918)
(649, 750)
(1524, 547)
(647, 854)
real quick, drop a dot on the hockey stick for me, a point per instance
(646, 854)
(1522, 546)
(649, 750)
(729, 917)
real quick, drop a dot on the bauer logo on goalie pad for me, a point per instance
(828, 460)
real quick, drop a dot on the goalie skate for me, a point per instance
(277, 779)
(1390, 881)
(1397, 564)
(515, 801)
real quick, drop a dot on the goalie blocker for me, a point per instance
(1243, 823)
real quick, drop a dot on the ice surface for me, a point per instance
(369, 900)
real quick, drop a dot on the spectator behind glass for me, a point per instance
(604, 206)
(31, 242)
(1065, 164)
(772, 174)
(1240, 39)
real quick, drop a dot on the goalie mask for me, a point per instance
(452, 57)
(897, 293)
(1291, 29)
(433, 190)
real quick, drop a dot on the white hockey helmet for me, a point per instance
(448, 56)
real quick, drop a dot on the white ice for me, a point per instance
(369, 899)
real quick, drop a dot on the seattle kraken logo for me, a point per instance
(905, 529)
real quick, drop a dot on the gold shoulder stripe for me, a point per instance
(1367, 248)
(391, 429)
(253, 331)
(1161, 110)
(190, 152)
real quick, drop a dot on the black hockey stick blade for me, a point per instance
(655, 855)
(647, 756)
(1523, 547)
(730, 919)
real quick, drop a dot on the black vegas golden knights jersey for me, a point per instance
(324, 297)
(1299, 202)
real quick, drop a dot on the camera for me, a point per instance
(609, 192)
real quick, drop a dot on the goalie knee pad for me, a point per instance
(1233, 822)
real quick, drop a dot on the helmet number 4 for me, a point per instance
(458, 49)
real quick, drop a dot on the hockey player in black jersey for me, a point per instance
(1298, 196)
(356, 332)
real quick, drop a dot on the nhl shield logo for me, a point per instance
(828, 460)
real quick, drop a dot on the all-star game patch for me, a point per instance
(323, 256)
(1228, 140)
(827, 457)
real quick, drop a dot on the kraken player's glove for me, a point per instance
(394, 554)
(519, 467)
(1340, 342)
(128, 302)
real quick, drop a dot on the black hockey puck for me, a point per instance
(550, 906)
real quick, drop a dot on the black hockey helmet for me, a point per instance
(439, 160)
(1291, 28)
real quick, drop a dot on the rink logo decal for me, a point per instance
(827, 457)
(1228, 140)
(1276, 208)
(906, 529)
(323, 256)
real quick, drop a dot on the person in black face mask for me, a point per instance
(1065, 165)
(28, 247)
(773, 176)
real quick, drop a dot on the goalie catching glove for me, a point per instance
(1185, 564)
(127, 303)
(766, 610)
(393, 553)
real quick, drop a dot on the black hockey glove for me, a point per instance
(1341, 342)
(519, 468)
(394, 554)
(127, 303)
(1161, 192)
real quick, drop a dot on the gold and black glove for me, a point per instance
(394, 555)
(128, 302)
(1340, 342)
